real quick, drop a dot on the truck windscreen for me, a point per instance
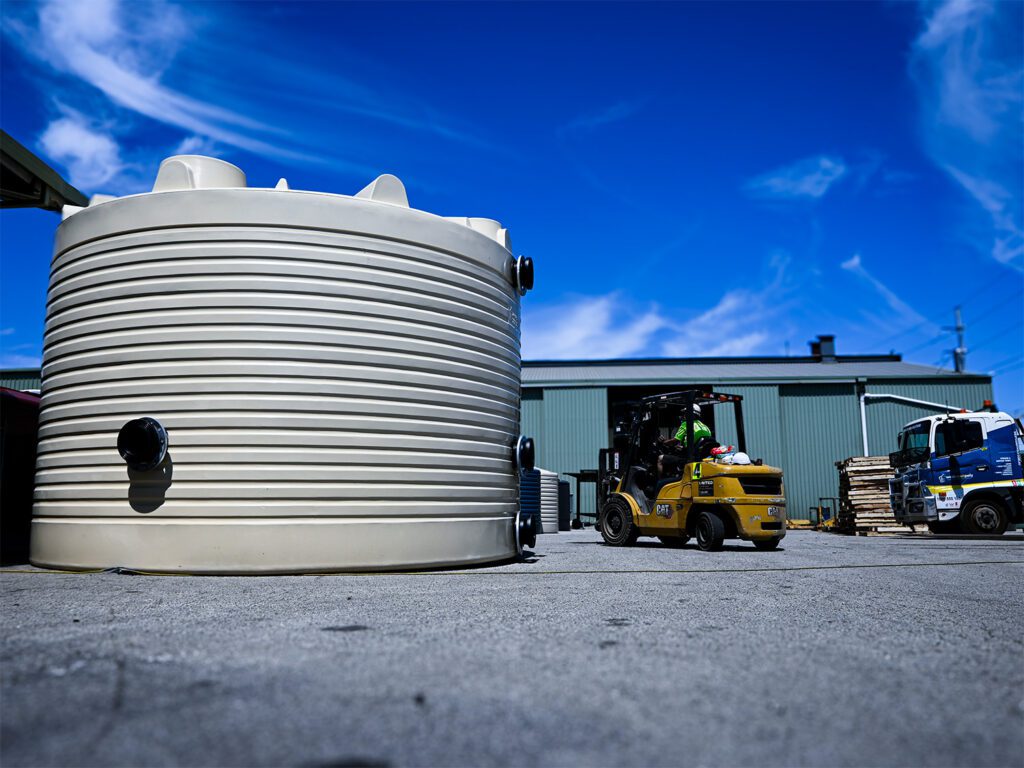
(913, 445)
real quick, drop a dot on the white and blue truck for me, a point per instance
(959, 472)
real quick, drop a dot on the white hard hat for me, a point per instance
(740, 458)
(696, 410)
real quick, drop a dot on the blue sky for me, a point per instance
(691, 179)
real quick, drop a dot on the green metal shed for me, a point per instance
(801, 413)
(24, 379)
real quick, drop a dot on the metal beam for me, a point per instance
(899, 399)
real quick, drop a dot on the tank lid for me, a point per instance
(197, 172)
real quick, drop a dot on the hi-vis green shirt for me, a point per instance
(700, 429)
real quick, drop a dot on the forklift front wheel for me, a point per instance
(710, 531)
(617, 527)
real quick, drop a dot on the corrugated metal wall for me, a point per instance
(762, 421)
(570, 425)
(20, 379)
(885, 419)
(820, 425)
(532, 404)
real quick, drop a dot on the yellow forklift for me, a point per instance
(649, 485)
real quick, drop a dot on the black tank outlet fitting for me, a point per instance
(524, 454)
(526, 532)
(142, 443)
(524, 274)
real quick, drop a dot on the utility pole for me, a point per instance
(960, 353)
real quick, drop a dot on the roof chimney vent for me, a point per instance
(824, 348)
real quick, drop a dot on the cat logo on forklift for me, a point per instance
(663, 510)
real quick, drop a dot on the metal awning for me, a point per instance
(28, 182)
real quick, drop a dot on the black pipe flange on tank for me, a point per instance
(524, 274)
(524, 454)
(526, 531)
(142, 443)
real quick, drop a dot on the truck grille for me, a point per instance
(761, 485)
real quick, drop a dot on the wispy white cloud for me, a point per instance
(809, 178)
(6, 331)
(595, 327)
(123, 51)
(19, 361)
(197, 145)
(902, 313)
(725, 329)
(91, 154)
(743, 322)
(589, 327)
(967, 71)
(613, 113)
(155, 60)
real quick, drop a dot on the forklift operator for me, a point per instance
(669, 464)
(700, 431)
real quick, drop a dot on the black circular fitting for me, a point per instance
(142, 443)
(524, 274)
(527, 533)
(524, 454)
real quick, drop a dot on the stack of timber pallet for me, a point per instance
(864, 495)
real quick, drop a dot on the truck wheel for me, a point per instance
(676, 542)
(710, 532)
(767, 544)
(984, 516)
(617, 527)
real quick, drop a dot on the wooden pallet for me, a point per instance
(864, 495)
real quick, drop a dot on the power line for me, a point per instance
(1013, 367)
(1010, 359)
(1005, 332)
(930, 342)
(935, 319)
(999, 306)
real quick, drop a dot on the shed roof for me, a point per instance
(567, 373)
(28, 182)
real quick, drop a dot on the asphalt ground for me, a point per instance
(846, 651)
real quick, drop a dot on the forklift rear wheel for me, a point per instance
(984, 516)
(617, 528)
(710, 532)
(676, 542)
(767, 544)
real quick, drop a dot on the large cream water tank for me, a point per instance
(267, 380)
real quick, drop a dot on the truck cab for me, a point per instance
(960, 471)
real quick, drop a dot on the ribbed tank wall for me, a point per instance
(313, 357)
(548, 501)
